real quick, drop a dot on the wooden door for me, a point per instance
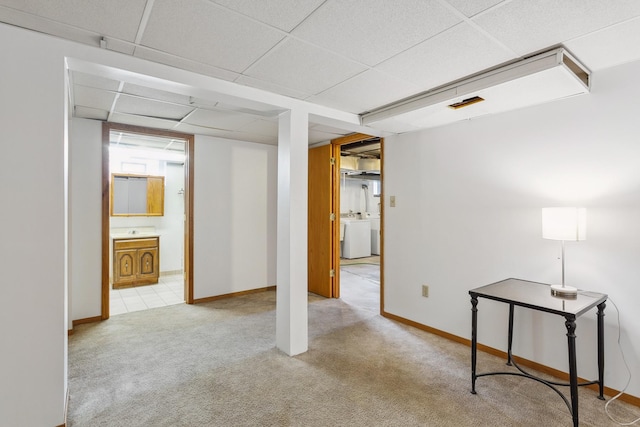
(322, 257)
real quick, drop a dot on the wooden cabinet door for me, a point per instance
(148, 263)
(125, 266)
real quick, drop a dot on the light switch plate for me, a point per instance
(392, 201)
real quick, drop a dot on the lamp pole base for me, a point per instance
(564, 291)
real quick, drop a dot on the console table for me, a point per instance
(537, 296)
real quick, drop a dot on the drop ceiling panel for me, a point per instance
(473, 7)
(283, 14)
(198, 130)
(94, 98)
(116, 18)
(151, 122)
(372, 31)
(160, 95)
(607, 48)
(364, 92)
(527, 26)
(43, 25)
(453, 54)
(218, 118)
(208, 33)
(262, 127)
(151, 108)
(184, 64)
(90, 113)
(271, 87)
(91, 80)
(302, 67)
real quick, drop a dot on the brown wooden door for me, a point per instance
(322, 258)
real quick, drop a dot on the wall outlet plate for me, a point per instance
(425, 291)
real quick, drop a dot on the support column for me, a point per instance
(292, 335)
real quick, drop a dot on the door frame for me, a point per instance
(107, 127)
(336, 144)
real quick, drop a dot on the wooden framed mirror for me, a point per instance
(136, 195)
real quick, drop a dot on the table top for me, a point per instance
(538, 297)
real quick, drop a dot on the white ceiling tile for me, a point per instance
(529, 26)
(115, 18)
(208, 34)
(454, 54)
(219, 119)
(92, 97)
(612, 46)
(90, 113)
(151, 108)
(473, 7)
(161, 95)
(151, 122)
(271, 87)
(91, 80)
(372, 31)
(283, 14)
(200, 130)
(302, 67)
(364, 92)
(254, 137)
(184, 64)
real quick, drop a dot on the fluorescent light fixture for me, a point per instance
(535, 80)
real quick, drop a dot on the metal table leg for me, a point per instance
(510, 338)
(601, 308)
(573, 372)
(474, 340)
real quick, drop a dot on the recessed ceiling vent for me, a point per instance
(541, 78)
(466, 102)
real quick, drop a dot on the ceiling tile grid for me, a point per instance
(370, 31)
(282, 14)
(116, 18)
(451, 55)
(530, 26)
(303, 67)
(207, 33)
(473, 7)
(365, 91)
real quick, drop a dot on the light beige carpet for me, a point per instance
(216, 364)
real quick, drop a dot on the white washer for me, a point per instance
(357, 238)
(375, 234)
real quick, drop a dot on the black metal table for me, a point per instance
(537, 296)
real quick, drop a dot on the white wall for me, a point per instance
(85, 176)
(32, 248)
(352, 196)
(235, 216)
(469, 199)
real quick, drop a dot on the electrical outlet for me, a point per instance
(425, 291)
(392, 201)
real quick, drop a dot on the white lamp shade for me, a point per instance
(564, 223)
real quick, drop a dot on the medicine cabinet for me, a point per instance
(137, 195)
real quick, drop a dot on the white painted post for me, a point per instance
(292, 335)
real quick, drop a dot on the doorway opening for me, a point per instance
(359, 198)
(147, 228)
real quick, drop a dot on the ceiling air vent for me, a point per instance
(466, 102)
(541, 78)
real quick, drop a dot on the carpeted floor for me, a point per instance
(216, 364)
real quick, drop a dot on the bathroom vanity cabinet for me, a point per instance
(136, 261)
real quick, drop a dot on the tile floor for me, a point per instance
(168, 291)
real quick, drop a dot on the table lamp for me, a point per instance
(564, 224)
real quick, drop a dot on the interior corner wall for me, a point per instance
(32, 249)
(469, 199)
(234, 216)
(85, 154)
